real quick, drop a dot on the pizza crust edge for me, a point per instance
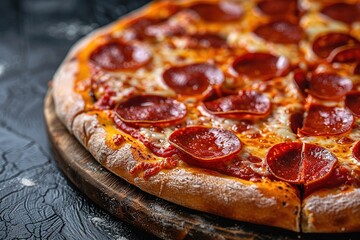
(331, 210)
(256, 202)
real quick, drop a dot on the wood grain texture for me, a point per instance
(157, 216)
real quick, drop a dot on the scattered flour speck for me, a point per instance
(27, 182)
(97, 220)
(122, 238)
(2, 69)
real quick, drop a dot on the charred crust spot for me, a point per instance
(284, 204)
(296, 211)
(140, 154)
(280, 187)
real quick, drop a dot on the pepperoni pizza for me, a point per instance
(245, 109)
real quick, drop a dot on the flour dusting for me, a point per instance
(2, 69)
(27, 182)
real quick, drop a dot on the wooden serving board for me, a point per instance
(159, 217)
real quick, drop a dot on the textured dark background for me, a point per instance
(36, 201)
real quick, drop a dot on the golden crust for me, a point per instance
(269, 203)
(332, 210)
(67, 102)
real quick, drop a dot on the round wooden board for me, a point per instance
(159, 217)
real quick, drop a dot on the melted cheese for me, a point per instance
(259, 134)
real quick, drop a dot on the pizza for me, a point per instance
(245, 109)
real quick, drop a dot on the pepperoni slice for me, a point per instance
(193, 79)
(139, 25)
(150, 110)
(352, 102)
(356, 151)
(205, 40)
(327, 121)
(339, 176)
(277, 7)
(343, 12)
(329, 85)
(224, 11)
(246, 102)
(117, 55)
(284, 161)
(300, 163)
(318, 163)
(282, 31)
(206, 144)
(325, 44)
(263, 66)
(345, 54)
(145, 27)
